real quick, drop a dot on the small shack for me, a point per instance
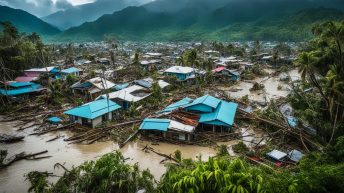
(94, 113)
(166, 128)
(70, 71)
(182, 73)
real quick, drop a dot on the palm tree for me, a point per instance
(335, 87)
(330, 31)
(10, 33)
(306, 63)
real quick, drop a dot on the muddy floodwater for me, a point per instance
(12, 178)
(271, 85)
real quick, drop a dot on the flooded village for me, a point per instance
(148, 100)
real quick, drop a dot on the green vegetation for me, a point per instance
(224, 26)
(316, 172)
(20, 51)
(110, 173)
(256, 86)
(321, 66)
(26, 22)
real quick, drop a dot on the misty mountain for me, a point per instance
(88, 12)
(26, 22)
(200, 19)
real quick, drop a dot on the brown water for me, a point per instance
(271, 88)
(12, 178)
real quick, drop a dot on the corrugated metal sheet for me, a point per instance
(155, 124)
(276, 154)
(177, 126)
(127, 94)
(178, 104)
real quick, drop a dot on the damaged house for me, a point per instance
(92, 87)
(94, 113)
(205, 113)
(128, 95)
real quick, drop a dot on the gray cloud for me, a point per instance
(38, 7)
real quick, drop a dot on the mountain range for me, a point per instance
(185, 20)
(77, 15)
(26, 22)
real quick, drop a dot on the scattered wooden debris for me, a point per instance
(55, 138)
(167, 157)
(21, 156)
(4, 138)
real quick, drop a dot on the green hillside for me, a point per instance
(26, 22)
(137, 23)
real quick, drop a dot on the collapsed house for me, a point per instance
(94, 113)
(151, 64)
(148, 83)
(92, 87)
(127, 96)
(222, 71)
(167, 128)
(205, 113)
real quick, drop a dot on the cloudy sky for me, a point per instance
(42, 7)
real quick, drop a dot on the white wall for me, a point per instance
(97, 121)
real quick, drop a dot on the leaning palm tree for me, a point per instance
(306, 63)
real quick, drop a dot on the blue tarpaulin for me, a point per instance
(54, 120)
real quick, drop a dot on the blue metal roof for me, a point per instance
(155, 124)
(208, 101)
(20, 84)
(223, 115)
(23, 90)
(93, 109)
(179, 104)
(70, 70)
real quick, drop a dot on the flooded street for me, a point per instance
(12, 178)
